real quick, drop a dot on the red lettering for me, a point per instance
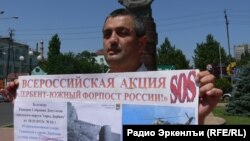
(25, 83)
(191, 86)
(183, 87)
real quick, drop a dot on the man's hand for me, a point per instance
(10, 91)
(209, 95)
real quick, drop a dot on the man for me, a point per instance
(124, 40)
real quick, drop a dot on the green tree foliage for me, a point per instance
(69, 63)
(240, 102)
(87, 63)
(208, 53)
(64, 64)
(224, 84)
(169, 55)
(53, 63)
(54, 46)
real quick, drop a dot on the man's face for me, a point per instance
(122, 48)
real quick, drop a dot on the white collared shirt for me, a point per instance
(141, 68)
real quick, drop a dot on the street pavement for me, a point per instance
(6, 114)
(6, 134)
(6, 119)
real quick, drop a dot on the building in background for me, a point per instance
(241, 49)
(100, 57)
(15, 59)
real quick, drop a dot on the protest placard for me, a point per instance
(95, 106)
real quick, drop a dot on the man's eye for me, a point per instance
(107, 34)
(122, 32)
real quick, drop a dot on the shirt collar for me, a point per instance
(141, 68)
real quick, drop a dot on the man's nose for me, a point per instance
(114, 37)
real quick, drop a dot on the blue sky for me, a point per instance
(148, 114)
(78, 23)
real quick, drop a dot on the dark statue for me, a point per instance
(135, 3)
(140, 7)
